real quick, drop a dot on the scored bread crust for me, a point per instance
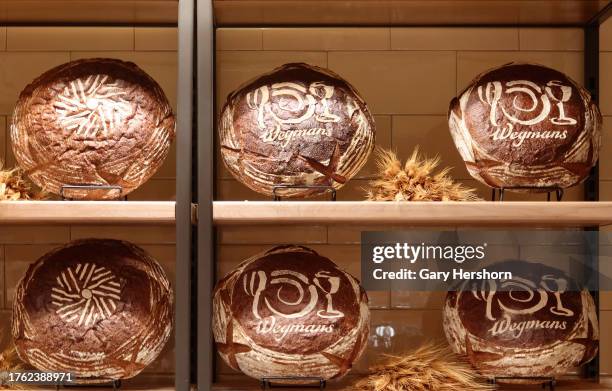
(296, 125)
(99, 121)
(99, 309)
(559, 121)
(515, 345)
(322, 342)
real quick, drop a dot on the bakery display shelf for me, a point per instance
(578, 214)
(89, 12)
(404, 12)
(213, 14)
(87, 212)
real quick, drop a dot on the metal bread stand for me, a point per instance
(114, 384)
(310, 382)
(547, 382)
(321, 188)
(91, 188)
(557, 190)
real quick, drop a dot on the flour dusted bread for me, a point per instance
(530, 326)
(92, 122)
(297, 125)
(290, 312)
(100, 309)
(526, 126)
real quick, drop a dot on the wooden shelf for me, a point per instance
(414, 213)
(87, 212)
(90, 12)
(123, 388)
(143, 382)
(563, 384)
(405, 12)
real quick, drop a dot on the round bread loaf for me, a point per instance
(100, 309)
(525, 327)
(290, 312)
(101, 122)
(526, 127)
(297, 125)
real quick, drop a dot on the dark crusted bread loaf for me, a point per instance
(92, 122)
(526, 126)
(525, 327)
(290, 312)
(297, 125)
(100, 309)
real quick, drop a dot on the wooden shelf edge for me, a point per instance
(87, 212)
(483, 213)
(565, 384)
(89, 12)
(511, 13)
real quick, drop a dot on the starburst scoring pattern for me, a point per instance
(85, 294)
(92, 107)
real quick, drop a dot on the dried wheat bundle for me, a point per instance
(14, 187)
(428, 368)
(414, 181)
(10, 362)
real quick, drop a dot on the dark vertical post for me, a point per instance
(184, 195)
(591, 82)
(591, 186)
(206, 154)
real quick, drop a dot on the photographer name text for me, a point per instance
(392, 256)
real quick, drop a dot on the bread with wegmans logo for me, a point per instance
(526, 127)
(298, 125)
(290, 312)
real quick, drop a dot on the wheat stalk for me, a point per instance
(14, 187)
(10, 362)
(428, 368)
(414, 180)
